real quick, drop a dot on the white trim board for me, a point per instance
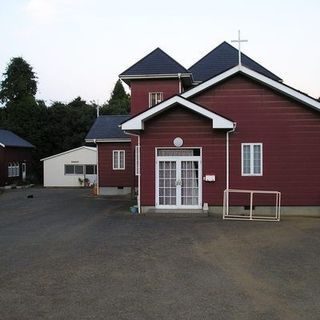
(69, 151)
(158, 76)
(108, 140)
(278, 86)
(137, 122)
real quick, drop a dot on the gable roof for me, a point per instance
(106, 129)
(223, 58)
(70, 151)
(137, 122)
(275, 85)
(156, 63)
(10, 139)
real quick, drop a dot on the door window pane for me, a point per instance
(190, 183)
(167, 183)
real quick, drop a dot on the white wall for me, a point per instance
(53, 167)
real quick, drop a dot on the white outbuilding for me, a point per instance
(72, 168)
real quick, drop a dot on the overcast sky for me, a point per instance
(78, 47)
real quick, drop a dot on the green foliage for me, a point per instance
(27, 118)
(50, 129)
(68, 124)
(118, 92)
(19, 81)
(119, 102)
(53, 129)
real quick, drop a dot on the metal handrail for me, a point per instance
(226, 205)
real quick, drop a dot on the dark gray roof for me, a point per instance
(223, 58)
(156, 62)
(10, 139)
(107, 127)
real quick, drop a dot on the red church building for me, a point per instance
(222, 124)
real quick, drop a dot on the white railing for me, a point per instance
(251, 216)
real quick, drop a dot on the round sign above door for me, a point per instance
(178, 142)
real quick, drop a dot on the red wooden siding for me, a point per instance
(289, 131)
(196, 131)
(140, 92)
(10, 154)
(109, 177)
(3, 167)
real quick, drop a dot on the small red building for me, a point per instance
(15, 158)
(218, 125)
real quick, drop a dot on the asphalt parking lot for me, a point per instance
(65, 254)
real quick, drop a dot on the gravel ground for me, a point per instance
(65, 254)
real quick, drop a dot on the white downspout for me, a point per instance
(180, 87)
(228, 162)
(97, 173)
(139, 175)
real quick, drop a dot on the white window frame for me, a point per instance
(10, 167)
(13, 169)
(157, 100)
(251, 145)
(17, 169)
(68, 174)
(178, 168)
(74, 169)
(119, 152)
(94, 169)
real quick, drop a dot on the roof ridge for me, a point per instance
(273, 84)
(222, 56)
(224, 42)
(143, 58)
(12, 139)
(260, 65)
(174, 60)
(158, 49)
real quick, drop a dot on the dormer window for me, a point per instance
(155, 98)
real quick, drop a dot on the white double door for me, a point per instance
(178, 182)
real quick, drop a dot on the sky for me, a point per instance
(79, 47)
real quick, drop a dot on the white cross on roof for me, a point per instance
(239, 45)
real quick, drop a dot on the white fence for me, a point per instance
(251, 215)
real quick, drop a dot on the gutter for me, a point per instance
(228, 160)
(139, 175)
(143, 76)
(108, 140)
(97, 173)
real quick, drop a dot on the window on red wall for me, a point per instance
(251, 159)
(118, 159)
(155, 98)
(13, 169)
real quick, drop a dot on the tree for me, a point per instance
(119, 102)
(68, 124)
(118, 92)
(50, 129)
(19, 81)
(22, 113)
